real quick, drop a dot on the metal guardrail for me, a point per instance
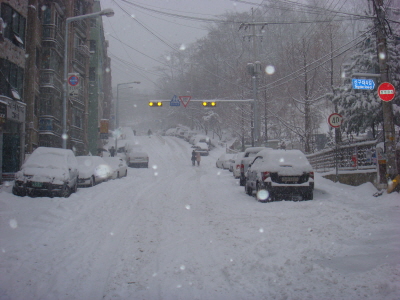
(360, 156)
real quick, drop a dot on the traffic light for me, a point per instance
(212, 103)
(155, 104)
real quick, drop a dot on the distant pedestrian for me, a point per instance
(193, 157)
(198, 158)
(149, 132)
(112, 151)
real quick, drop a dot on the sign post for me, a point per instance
(73, 85)
(335, 121)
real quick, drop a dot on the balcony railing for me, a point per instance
(84, 50)
(76, 133)
(53, 35)
(50, 78)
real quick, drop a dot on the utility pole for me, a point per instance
(387, 107)
(254, 69)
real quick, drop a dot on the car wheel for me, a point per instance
(126, 173)
(308, 196)
(92, 181)
(117, 175)
(248, 190)
(65, 191)
(17, 193)
(258, 189)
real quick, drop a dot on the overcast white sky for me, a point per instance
(139, 37)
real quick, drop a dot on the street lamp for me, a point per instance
(117, 104)
(105, 12)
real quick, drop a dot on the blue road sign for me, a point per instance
(363, 84)
(174, 101)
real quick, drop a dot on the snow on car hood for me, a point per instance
(43, 174)
(284, 162)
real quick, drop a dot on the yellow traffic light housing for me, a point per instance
(155, 104)
(205, 104)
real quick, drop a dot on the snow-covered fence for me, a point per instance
(360, 156)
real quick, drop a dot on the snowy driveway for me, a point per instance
(175, 231)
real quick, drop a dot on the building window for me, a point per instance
(15, 23)
(77, 117)
(46, 106)
(92, 46)
(11, 78)
(92, 74)
(36, 106)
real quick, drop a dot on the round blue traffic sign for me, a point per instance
(73, 80)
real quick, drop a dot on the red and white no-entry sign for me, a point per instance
(335, 120)
(386, 91)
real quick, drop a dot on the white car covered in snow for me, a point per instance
(92, 170)
(50, 171)
(280, 173)
(225, 160)
(118, 166)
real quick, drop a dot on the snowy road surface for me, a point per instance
(174, 231)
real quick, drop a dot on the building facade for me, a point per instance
(13, 16)
(99, 82)
(32, 60)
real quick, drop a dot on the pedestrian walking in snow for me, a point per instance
(193, 157)
(198, 158)
(112, 151)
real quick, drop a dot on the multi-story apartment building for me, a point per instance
(32, 77)
(13, 14)
(99, 81)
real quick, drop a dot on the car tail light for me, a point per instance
(264, 175)
(312, 175)
(237, 167)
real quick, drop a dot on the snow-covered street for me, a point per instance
(174, 231)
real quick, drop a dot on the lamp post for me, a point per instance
(105, 12)
(117, 104)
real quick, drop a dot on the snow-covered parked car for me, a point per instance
(247, 158)
(225, 160)
(92, 170)
(136, 157)
(201, 148)
(47, 170)
(237, 164)
(280, 173)
(118, 166)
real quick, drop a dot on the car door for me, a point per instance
(73, 168)
(252, 172)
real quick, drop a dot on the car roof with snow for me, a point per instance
(275, 160)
